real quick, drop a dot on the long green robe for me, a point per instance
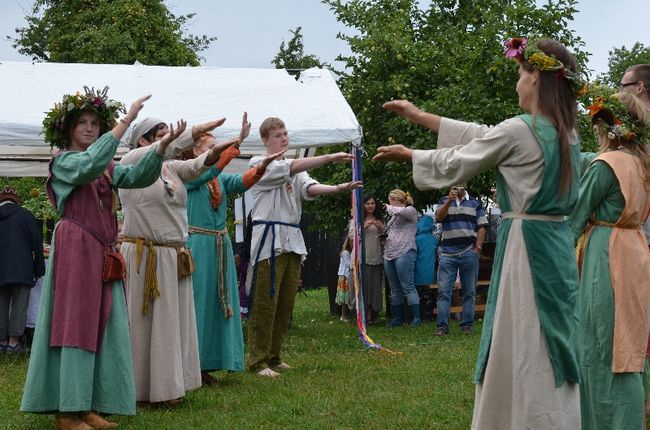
(527, 366)
(221, 343)
(607, 400)
(67, 379)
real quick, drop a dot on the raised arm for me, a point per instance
(303, 164)
(409, 111)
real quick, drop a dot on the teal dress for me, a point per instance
(67, 378)
(607, 400)
(221, 342)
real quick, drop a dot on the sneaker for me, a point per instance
(282, 365)
(467, 330)
(441, 331)
(344, 319)
(268, 373)
(16, 349)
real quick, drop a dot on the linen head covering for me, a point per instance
(140, 129)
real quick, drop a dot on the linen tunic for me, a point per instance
(221, 342)
(69, 378)
(527, 365)
(164, 342)
(607, 399)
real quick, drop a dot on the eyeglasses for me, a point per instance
(623, 85)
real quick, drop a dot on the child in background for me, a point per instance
(343, 286)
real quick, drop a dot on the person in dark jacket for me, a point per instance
(21, 254)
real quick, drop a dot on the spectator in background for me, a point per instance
(425, 264)
(21, 253)
(373, 269)
(399, 257)
(463, 232)
(343, 287)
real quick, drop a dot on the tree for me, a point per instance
(447, 59)
(108, 31)
(622, 58)
(292, 55)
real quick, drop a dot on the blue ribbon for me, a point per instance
(269, 225)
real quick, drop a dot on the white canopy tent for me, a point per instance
(313, 108)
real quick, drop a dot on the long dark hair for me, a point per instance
(377, 212)
(557, 102)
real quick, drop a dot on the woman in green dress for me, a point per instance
(614, 294)
(80, 362)
(216, 292)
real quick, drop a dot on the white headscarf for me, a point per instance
(140, 129)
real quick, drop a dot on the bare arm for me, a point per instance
(322, 189)
(480, 238)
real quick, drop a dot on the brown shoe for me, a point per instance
(97, 422)
(70, 422)
(208, 379)
(441, 332)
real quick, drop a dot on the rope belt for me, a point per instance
(532, 217)
(598, 223)
(270, 225)
(224, 294)
(151, 291)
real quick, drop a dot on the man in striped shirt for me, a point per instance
(463, 232)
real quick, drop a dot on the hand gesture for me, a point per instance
(173, 134)
(401, 107)
(206, 127)
(245, 128)
(135, 108)
(220, 147)
(393, 153)
(340, 157)
(349, 186)
(262, 165)
(453, 195)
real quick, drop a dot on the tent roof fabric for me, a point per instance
(313, 108)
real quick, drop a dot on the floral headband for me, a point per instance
(517, 48)
(612, 117)
(107, 111)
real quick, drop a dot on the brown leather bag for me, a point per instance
(114, 265)
(185, 261)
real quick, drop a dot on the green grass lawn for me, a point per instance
(335, 383)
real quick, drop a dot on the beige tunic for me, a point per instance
(165, 346)
(518, 389)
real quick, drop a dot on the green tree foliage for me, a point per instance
(622, 58)
(447, 59)
(108, 31)
(292, 55)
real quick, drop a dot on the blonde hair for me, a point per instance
(404, 197)
(640, 114)
(269, 124)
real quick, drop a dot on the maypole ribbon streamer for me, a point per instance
(358, 213)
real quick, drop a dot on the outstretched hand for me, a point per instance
(173, 134)
(135, 108)
(349, 186)
(219, 148)
(262, 165)
(340, 157)
(401, 107)
(206, 127)
(245, 128)
(393, 153)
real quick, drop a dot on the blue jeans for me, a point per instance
(400, 272)
(466, 264)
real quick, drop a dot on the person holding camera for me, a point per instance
(463, 232)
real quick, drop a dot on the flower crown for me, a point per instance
(612, 117)
(517, 48)
(71, 106)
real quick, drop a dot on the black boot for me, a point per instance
(398, 316)
(415, 315)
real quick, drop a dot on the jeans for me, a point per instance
(400, 272)
(466, 264)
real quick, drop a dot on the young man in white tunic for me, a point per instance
(277, 245)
